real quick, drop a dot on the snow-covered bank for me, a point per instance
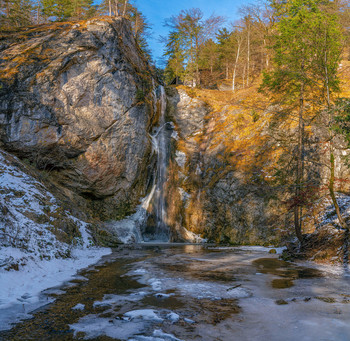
(21, 291)
(41, 244)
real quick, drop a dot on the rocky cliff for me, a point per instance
(76, 101)
(230, 174)
(216, 191)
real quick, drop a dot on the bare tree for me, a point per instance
(125, 7)
(239, 39)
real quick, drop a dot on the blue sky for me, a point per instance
(156, 11)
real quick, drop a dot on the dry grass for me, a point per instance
(237, 123)
(344, 74)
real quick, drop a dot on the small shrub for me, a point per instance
(255, 116)
(191, 92)
(140, 95)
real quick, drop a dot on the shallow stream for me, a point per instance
(190, 292)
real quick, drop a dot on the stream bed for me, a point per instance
(192, 292)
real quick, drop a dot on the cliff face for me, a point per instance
(216, 190)
(228, 176)
(76, 100)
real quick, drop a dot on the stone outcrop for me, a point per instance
(76, 101)
(210, 195)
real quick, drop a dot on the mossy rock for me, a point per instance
(107, 239)
(103, 233)
(327, 299)
(37, 218)
(65, 230)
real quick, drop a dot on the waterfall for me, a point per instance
(148, 223)
(155, 227)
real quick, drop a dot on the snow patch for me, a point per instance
(173, 317)
(94, 326)
(192, 237)
(180, 158)
(79, 306)
(158, 335)
(143, 314)
(21, 290)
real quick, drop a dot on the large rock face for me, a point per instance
(76, 100)
(231, 182)
(210, 192)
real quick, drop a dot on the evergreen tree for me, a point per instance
(16, 13)
(67, 9)
(306, 48)
(225, 49)
(193, 31)
(176, 58)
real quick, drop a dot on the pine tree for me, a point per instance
(16, 13)
(225, 49)
(193, 31)
(67, 9)
(306, 47)
(176, 58)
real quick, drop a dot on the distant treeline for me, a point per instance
(203, 52)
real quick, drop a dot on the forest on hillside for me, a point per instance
(295, 53)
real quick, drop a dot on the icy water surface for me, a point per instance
(190, 292)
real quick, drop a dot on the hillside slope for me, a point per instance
(232, 171)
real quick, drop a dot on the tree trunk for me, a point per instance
(248, 54)
(244, 76)
(298, 209)
(116, 12)
(124, 10)
(7, 8)
(267, 60)
(235, 67)
(332, 192)
(37, 12)
(110, 7)
(198, 78)
(341, 220)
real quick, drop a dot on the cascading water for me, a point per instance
(149, 221)
(155, 227)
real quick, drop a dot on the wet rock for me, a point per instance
(281, 302)
(327, 299)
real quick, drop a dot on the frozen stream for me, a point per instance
(188, 292)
